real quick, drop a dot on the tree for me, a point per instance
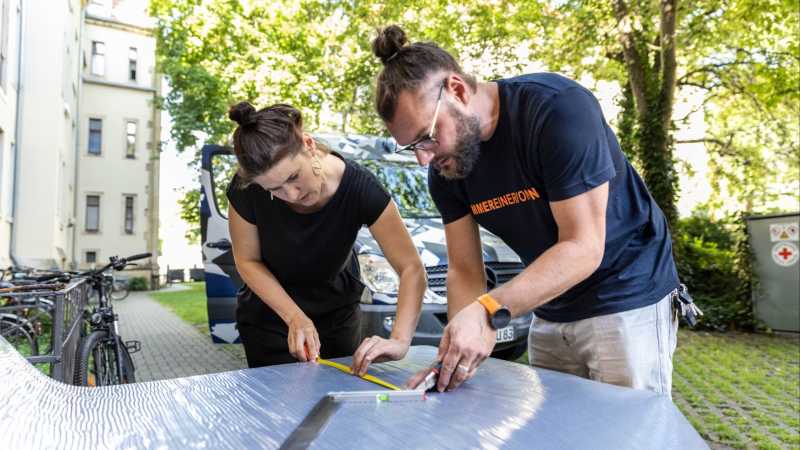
(651, 83)
(741, 57)
(314, 54)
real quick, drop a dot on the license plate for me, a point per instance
(505, 334)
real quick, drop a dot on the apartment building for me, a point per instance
(45, 164)
(10, 53)
(118, 165)
(79, 133)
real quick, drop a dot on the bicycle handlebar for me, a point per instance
(117, 263)
(139, 256)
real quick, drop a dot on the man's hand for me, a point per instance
(468, 340)
(302, 335)
(377, 349)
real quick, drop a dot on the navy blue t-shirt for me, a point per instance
(553, 143)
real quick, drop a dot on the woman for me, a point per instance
(295, 210)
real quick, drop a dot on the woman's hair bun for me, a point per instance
(389, 41)
(243, 113)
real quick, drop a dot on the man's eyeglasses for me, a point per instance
(428, 141)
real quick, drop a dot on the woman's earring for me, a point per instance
(316, 166)
(270, 196)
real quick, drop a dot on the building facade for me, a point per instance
(117, 212)
(44, 167)
(79, 150)
(10, 54)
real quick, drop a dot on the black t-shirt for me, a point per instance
(552, 143)
(311, 254)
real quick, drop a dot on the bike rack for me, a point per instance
(65, 308)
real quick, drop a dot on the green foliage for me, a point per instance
(313, 54)
(706, 230)
(137, 284)
(739, 59)
(713, 260)
(224, 169)
(190, 213)
(626, 124)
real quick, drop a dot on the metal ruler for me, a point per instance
(319, 416)
(314, 423)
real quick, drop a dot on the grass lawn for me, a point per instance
(189, 304)
(738, 390)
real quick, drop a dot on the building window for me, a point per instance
(98, 58)
(95, 136)
(92, 213)
(130, 140)
(128, 214)
(132, 57)
(91, 257)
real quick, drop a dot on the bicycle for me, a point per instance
(118, 287)
(103, 357)
(22, 317)
(20, 332)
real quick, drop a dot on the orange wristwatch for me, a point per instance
(499, 315)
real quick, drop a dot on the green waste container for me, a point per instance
(775, 242)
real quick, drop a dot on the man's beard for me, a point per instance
(467, 147)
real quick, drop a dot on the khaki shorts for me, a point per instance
(632, 348)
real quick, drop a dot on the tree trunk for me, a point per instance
(626, 126)
(658, 165)
(652, 88)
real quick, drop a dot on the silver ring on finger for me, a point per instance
(463, 368)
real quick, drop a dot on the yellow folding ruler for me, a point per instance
(367, 377)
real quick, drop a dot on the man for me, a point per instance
(533, 160)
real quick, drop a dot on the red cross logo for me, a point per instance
(785, 254)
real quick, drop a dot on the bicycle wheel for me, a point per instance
(119, 290)
(20, 334)
(97, 361)
(128, 370)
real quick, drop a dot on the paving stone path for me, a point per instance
(171, 348)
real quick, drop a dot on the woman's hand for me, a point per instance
(393, 238)
(303, 335)
(378, 349)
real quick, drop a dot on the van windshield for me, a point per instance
(408, 185)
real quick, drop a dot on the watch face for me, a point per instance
(501, 318)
